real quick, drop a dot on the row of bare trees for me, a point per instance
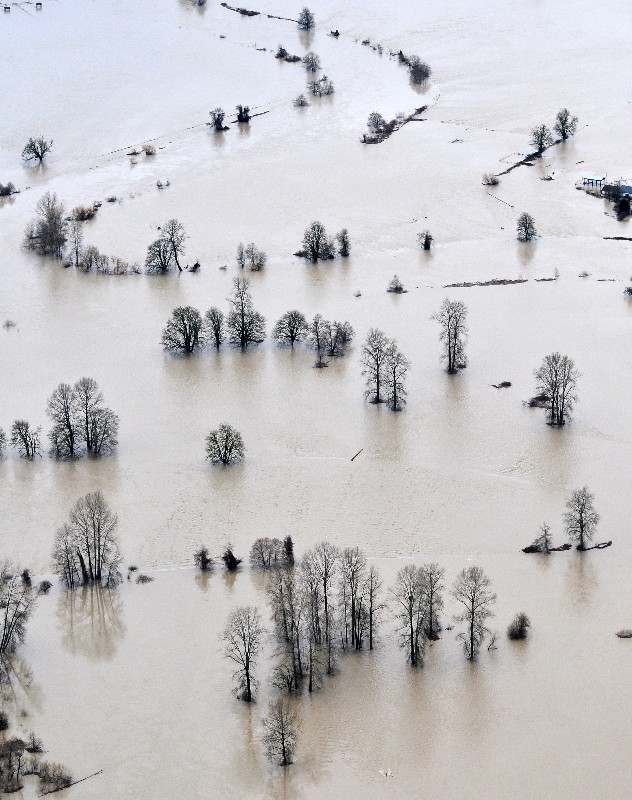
(186, 330)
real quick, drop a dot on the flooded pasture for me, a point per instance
(132, 682)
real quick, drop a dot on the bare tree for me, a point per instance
(159, 257)
(432, 586)
(17, 602)
(37, 147)
(541, 138)
(344, 243)
(86, 548)
(471, 590)
(104, 424)
(300, 101)
(66, 435)
(374, 359)
(26, 440)
(184, 330)
(525, 226)
(280, 732)
(396, 365)
(224, 445)
(565, 124)
(173, 233)
(451, 316)
(337, 336)
(217, 118)
(318, 332)
(306, 19)
(326, 558)
(75, 237)
(242, 640)
(292, 327)
(543, 542)
(215, 326)
(241, 255)
(581, 517)
(245, 325)
(311, 62)
(556, 383)
(317, 245)
(410, 612)
(48, 232)
(372, 604)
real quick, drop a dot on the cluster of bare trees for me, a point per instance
(86, 549)
(186, 330)
(556, 387)
(384, 368)
(580, 519)
(418, 601)
(81, 424)
(47, 234)
(565, 126)
(318, 246)
(17, 602)
(328, 338)
(165, 252)
(251, 256)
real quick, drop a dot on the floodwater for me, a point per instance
(134, 683)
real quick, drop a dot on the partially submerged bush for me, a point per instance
(144, 579)
(231, 562)
(489, 179)
(396, 286)
(149, 150)
(53, 777)
(425, 240)
(34, 744)
(4, 721)
(6, 189)
(44, 587)
(82, 213)
(519, 626)
(203, 560)
(301, 101)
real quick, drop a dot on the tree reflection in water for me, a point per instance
(91, 619)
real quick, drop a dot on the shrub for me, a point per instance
(149, 150)
(396, 286)
(519, 626)
(301, 101)
(231, 562)
(4, 721)
(44, 587)
(489, 179)
(7, 189)
(202, 559)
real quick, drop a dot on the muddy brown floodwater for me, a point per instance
(133, 682)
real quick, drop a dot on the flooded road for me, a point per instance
(134, 683)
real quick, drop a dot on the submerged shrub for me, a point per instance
(519, 626)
